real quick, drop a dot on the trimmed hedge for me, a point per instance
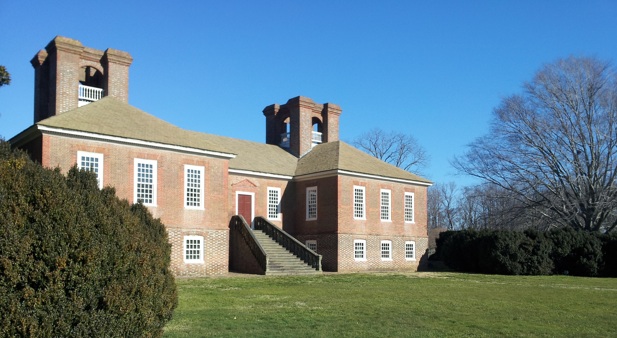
(560, 251)
(76, 261)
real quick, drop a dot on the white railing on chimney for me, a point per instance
(89, 94)
(285, 140)
(316, 138)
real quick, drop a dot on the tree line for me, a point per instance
(549, 159)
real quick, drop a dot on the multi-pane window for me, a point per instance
(193, 187)
(386, 250)
(145, 181)
(385, 204)
(358, 202)
(193, 249)
(311, 244)
(409, 207)
(410, 250)
(91, 162)
(311, 203)
(274, 199)
(359, 249)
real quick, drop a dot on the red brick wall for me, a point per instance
(373, 225)
(335, 228)
(60, 151)
(327, 210)
(373, 262)
(259, 187)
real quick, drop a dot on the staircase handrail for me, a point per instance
(289, 242)
(239, 224)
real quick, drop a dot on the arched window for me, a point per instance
(316, 131)
(90, 85)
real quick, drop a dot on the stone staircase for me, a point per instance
(281, 261)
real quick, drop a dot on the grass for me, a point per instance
(396, 305)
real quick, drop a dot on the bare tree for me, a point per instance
(487, 206)
(398, 149)
(442, 204)
(433, 205)
(554, 147)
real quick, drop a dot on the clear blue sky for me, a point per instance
(433, 69)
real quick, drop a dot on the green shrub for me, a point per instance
(560, 251)
(609, 255)
(459, 250)
(575, 252)
(77, 261)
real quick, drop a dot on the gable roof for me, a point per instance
(259, 157)
(111, 117)
(341, 156)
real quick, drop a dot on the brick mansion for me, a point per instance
(302, 202)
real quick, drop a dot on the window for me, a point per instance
(409, 207)
(410, 250)
(385, 205)
(386, 250)
(193, 249)
(359, 248)
(145, 181)
(91, 162)
(311, 203)
(193, 187)
(312, 244)
(358, 202)
(274, 207)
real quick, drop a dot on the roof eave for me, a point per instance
(130, 141)
(336, 172)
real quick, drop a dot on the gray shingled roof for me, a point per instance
(342, 156)
(111, 117)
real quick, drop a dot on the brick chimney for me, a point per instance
(300, 124)
(65, 67)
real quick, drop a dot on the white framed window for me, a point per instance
(193, 249)
(359, 250)
(193, 187)
(311, 244)
(409, 207)
(385, 208)
(91, 162)
(274, 203)
(145, 181)
(410, 250)
(311, 203)
(358, 202)
(386, 250)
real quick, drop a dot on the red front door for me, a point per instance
(245, 207)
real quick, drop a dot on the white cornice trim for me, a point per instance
(377, 177)
(130, 141)
(259, 174)
(335, 172)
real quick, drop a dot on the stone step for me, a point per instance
(280, 260)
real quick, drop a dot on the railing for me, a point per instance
(288, 242)
(284, 140)
(89, 94)
(316, 137)
(238, 224)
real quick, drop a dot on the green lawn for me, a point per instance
(396, 305)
